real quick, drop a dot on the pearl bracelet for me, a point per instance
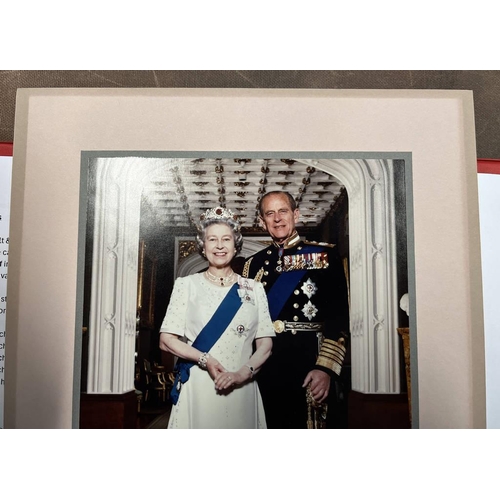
(202, 361)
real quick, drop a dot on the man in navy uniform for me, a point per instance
(307, 293)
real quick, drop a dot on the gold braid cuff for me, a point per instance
(332, 355)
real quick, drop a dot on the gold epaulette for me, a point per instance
(246, 271)
(246, 268)
(258, 276)
(332, 354)
(319, 243)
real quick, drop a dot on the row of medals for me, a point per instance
(301, 261)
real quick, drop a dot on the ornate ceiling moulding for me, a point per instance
(219, 168)
(242, 174)
(320, 193)
(187, 186)
(221, 190)
(158, 192)
(242, 162)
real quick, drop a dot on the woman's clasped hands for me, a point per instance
(225, 381)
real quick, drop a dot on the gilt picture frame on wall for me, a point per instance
(432, 131)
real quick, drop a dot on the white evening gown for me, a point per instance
(193, 302)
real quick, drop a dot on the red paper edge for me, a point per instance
(6, 148)
(488, 166)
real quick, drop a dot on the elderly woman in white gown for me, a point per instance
(218, 324)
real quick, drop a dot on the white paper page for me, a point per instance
(5, 184)
(489, 213)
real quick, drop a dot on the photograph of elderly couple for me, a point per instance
(245, 291)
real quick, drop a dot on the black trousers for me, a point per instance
(287, 408)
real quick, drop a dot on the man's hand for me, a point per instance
(320, 384)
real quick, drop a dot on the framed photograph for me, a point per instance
(354, 201)
(359, 137)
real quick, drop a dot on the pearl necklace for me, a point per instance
(221, 281)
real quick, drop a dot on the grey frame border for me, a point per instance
(87, 156)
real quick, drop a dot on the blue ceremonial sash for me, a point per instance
(207, 337)
(284, 286)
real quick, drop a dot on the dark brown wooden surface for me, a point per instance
(108, 411)
(485, 85)
(378, 411)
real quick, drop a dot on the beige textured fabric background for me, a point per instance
(484, 84)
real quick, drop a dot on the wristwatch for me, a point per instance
(252, 370)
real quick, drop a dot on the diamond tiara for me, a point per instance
(220, 213)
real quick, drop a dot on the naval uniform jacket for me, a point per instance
(317, 305)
